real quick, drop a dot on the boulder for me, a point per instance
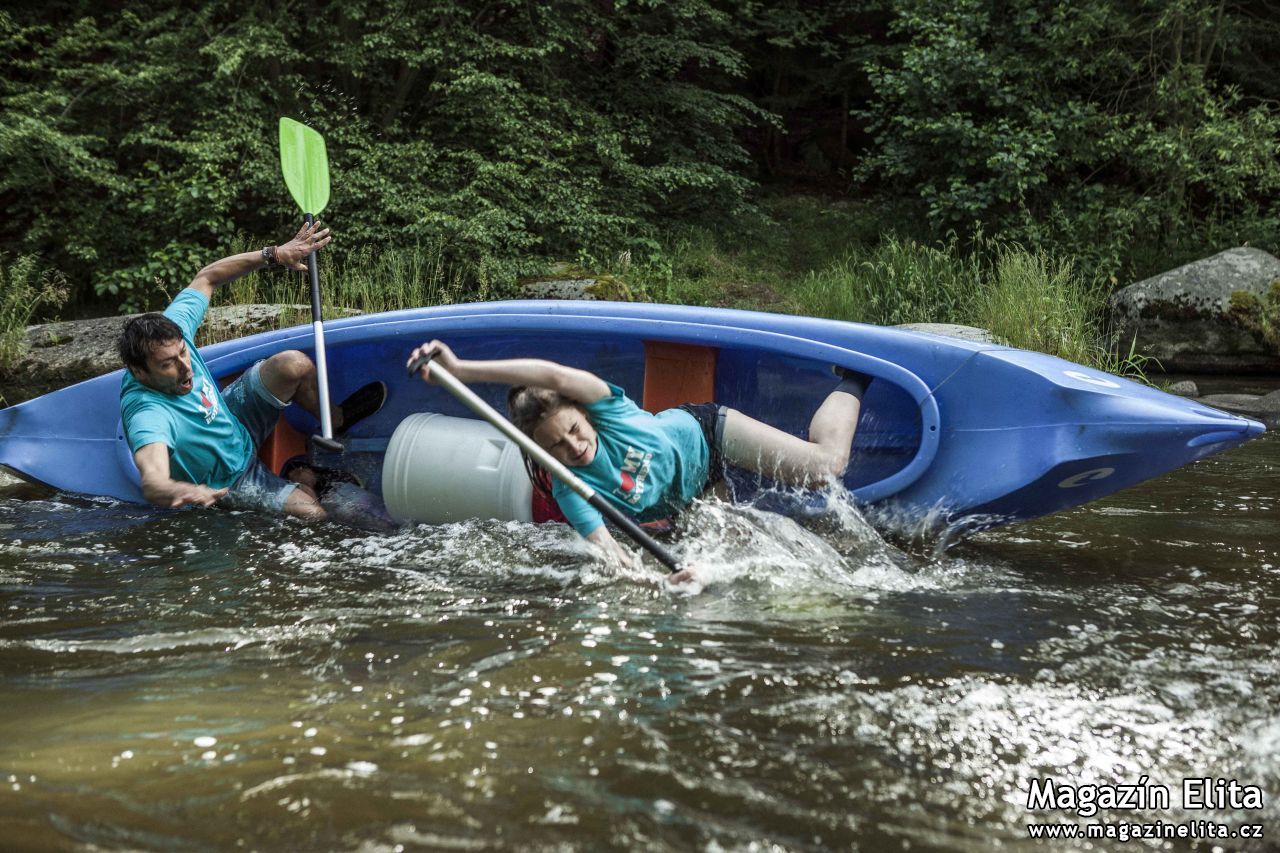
(1183, 317)
(606, 287)
(1265, 408)
(952, 330)
(559, 288)
(71, 351)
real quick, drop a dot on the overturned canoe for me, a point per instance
(950, 428)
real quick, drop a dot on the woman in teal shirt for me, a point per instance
(649, 465)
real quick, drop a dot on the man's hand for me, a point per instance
(189, 494)
(293, 255)
(162, 490)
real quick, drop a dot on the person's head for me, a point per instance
(558, 425)
(152, 349)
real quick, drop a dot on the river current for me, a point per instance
(205, 680)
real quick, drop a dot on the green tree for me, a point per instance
(497, 130)
(1095, 123)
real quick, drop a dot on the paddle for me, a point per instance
(543, 458)
(305, 164)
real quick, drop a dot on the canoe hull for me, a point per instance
(951, 429)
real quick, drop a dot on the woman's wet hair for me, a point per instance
(527, 407)
(140, 336)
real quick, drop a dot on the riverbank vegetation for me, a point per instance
(25, 290)
(844, 263)
(939, 160)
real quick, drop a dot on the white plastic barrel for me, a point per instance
(440, 469)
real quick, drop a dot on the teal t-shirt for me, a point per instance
(207, 443)
(647, 465)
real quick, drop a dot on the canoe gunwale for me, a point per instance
(414, 329)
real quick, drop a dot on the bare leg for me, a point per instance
(302, 503)
(755, 445)
(290, 376)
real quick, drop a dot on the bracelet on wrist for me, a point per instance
(269, 256)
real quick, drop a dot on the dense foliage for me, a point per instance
(137, 140)
(1095, 124)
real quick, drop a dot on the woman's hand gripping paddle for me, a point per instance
(305, 164)
(469, 398)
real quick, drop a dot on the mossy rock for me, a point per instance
(1216, 315)
(568, 282)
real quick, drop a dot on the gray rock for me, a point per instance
(64, 353)
(1269, 403)
(1232, 402)
(1181, 317)
(1185, 388)
(951, 330)
(567, 284)
(1265, 408)
(579, 288)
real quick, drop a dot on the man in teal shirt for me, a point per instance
(196, 444)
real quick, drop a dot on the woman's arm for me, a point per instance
(613, 551)
(580, 386)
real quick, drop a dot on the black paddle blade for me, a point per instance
(417, 364)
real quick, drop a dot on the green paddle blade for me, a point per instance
(305, 164)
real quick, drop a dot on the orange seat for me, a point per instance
(282, 444)
(678, 373)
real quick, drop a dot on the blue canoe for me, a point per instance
(951, 429)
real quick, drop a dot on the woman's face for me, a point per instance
(568, 436)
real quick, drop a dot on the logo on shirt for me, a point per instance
(208, 400)
(634, 473)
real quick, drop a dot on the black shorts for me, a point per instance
(711, 416)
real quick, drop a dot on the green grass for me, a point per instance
(365, 281)
(369, 279)
(854, 263)
(25, 288)
(895, 281)
(753, 263)
(1035, 301)
(847, 261)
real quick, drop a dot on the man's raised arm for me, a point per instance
(292, 255)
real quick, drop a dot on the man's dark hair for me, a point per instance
(141, 334)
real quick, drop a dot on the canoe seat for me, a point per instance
(677, 373)
(283, 443)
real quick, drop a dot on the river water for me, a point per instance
(209, 680)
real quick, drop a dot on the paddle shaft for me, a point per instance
(322, 363)
(473, 402)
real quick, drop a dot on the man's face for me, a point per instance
(168, 368)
